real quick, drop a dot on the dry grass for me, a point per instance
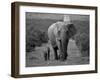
(36, 57)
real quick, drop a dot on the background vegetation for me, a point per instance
(82, 36)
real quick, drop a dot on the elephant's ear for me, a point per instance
(71, 30)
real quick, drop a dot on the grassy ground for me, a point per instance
(36, 58)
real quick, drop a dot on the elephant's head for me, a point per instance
(64, 34)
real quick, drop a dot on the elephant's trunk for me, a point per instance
(64, 44)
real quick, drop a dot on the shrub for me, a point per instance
(82, 41)
(35, 37)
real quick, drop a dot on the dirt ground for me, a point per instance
(36, 57)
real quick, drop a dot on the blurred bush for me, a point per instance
(82, 42)
(35, 37)
(82, 36)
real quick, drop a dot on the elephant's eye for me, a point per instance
(66, 32)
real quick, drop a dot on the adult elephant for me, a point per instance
(59, 34)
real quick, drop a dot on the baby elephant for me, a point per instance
(47, 54)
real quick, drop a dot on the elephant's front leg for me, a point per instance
(55, 53)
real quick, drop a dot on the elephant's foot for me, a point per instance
(55, 53)
(63, 57)
(57, 58)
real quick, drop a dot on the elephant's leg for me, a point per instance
(55, 53)
(48, 53)
(60, 48)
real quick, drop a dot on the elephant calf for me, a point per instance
(59, 34)
(47, 54)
